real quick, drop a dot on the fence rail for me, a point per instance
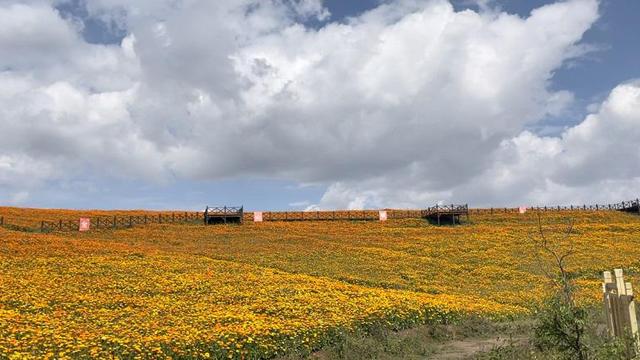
(628, 206)
(120, 222)
(363, 215)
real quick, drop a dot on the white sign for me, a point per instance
(383, 215)
(522, 209)
(85, 224)
(257, 216)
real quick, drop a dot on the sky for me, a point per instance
(311, 104)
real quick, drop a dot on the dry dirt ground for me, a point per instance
(444, 342)
(467, 348)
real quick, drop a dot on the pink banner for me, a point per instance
(523, 209)
(257, 216)
(85, 224)
(383, 215)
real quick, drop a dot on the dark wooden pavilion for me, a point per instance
(223, 215)
(446, 213)
(632, 206)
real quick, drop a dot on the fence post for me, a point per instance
(631, 310)
(1, 220)
(620, 308)
(42, 226)
(115, 222)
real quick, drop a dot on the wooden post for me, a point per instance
(620, 290)
(1, 220)
(115, 222)
(130, 221)
(42, 226)
(607, 300)
(631, 311)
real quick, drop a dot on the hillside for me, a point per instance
(260, 290)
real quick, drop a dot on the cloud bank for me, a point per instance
(406, 104)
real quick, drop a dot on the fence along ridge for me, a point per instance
(621, 206)
(629, 206)
(121, 221)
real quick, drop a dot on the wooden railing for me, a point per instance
(224, 210)
(362, 215)
(447, 209)
(120, 222)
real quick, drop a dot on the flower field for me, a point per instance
(262, 290)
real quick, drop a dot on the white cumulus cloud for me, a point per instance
(409, 103)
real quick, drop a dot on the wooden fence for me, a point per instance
(363, 215)
(620, 308)
(337, 215)
(120, 222)
(116, 222)
(628, 206)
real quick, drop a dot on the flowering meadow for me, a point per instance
(268, 289)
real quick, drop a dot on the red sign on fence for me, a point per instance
(85, 224)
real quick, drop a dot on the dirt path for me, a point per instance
(463, 349)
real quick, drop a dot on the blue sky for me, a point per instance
(294, 176)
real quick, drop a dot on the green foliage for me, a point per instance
(562, 326)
